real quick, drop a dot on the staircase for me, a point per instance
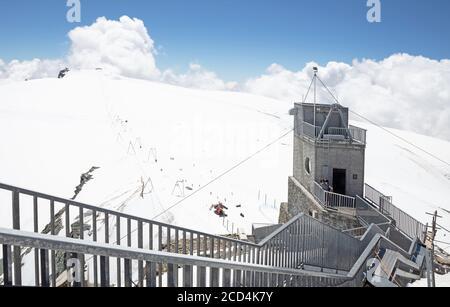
(104, 248)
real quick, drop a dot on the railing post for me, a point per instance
(150, 267)
(140, 245)
(127, 262)
(45, 272)
(95, 258)
(53, 253)
(7, 267)
(151, 274)
(16, 249)
(118, 239)
(36, 251)
(103, 273)
(107, 235)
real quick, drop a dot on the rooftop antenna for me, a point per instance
(315, 70)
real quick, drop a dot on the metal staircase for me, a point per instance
(115, 249)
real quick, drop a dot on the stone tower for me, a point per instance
(327, 148)
(329, 158)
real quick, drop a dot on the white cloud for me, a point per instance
(123, 46)
(197, 77)
(34, 69)
(401, 91)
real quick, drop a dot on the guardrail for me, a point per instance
(403, 221)
(61, 217)
(310, 130)
(356, 134)
(208, 272)
(374, 195)
(310, 242)
(52, 215)
(369, 215)
(332, 200)
(301, 243)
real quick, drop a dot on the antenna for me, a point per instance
(315, 70)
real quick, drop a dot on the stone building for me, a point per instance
(329, 158)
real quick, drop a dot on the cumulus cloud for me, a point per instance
(124, 47)
(401, 91)
(198, 77)
(34, 69)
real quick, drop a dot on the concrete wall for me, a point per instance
(306, 111)
(263, 232)
(302, 201)
(346, 156)
(324, 159)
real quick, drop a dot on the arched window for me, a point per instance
(308, 166)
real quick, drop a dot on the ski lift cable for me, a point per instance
(443, 228)
(225, 173)
(138, 162)
(217, 178)
(385, 129)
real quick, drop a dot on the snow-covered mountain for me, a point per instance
(175, 140)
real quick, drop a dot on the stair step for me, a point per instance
(401, 273)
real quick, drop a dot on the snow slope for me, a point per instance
(53, 130)
(442, 281)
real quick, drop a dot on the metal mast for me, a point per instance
(316, 70)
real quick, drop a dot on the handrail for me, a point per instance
(404, 221)
(333, 200)
(359, 134)
(69, 245)
(281, 249)
(361, 201)
(351, 133)
(110, 212)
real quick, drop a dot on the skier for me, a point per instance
(219, 209)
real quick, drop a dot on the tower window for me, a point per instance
(308, 166)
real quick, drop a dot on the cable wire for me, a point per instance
(224, 173)
(387, 130)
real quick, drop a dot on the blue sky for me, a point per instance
(239, 38)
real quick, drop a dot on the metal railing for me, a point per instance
(311, 243)
(189, 271)
(302, 244)
(310, 130)
(374, 195)
(66, 218)
(58, 216)
(403, 221)
(332, 200)
(369, 215)
(358, 134)
(337, 131)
